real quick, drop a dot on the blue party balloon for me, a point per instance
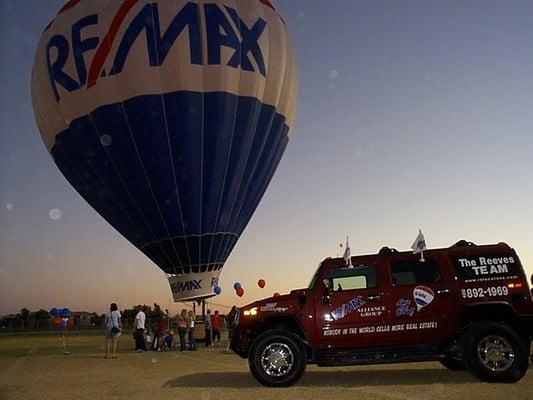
(218, 290)
(54, 312)
(65, 312)
(237, 285)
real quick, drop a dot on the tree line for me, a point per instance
(40, 320)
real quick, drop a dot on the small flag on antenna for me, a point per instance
(347, 253)
(419, 245)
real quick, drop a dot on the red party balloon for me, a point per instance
(57, 321)
(240, 292)
(276, 294)
(261, 283)
(70, 323)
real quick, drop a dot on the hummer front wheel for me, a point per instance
(277, 358)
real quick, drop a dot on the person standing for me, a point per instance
(230, 325)
(138, 325)
(190, 326)
(160, 330)
(182, 327)
(208, 328)
(114, 327)
(216, 323)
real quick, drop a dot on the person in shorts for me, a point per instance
(113, 329)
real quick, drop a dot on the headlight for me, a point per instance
(251, 311)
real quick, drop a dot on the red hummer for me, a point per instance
(467, 306)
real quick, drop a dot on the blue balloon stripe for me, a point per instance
(260, 143)
(82, 159)
(268, 165)
(112, 122)
(144, 177)
(246, 127)
(83, 177)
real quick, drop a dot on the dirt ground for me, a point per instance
(34, 367)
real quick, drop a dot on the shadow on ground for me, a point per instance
(332, 378)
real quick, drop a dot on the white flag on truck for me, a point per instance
(348, 253)
(419, 245)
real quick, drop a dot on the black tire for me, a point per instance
(495, 353)
(277, 358)
(453, 364)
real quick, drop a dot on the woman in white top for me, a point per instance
(113, 329)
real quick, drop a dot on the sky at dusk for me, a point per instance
(412, 114)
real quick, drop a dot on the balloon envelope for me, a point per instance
(173, 140)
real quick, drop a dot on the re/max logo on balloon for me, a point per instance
(186, 286)
(219, 33)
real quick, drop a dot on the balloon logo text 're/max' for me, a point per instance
(169, 118)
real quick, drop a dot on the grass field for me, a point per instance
(34, 367)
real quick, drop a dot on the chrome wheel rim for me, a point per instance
(277, 359)
(495, 353)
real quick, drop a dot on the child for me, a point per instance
(169, 340)
(148, 339)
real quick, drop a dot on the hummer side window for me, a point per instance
(414, 272)
(360, 277)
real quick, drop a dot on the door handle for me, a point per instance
(375, 297)
(443, 291)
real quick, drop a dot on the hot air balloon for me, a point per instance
(169, 118)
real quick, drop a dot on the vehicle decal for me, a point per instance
(348, 308)
(423, 296)
(403, 307)
(272, 308)
(371, 311)
(487, 268)
(380, 329)
(492, 291)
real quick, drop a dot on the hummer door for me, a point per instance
(421, 300)
(354, 305)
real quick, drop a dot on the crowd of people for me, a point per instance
(161, 337)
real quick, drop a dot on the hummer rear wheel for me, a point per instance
(495, 353)
(277, 358)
